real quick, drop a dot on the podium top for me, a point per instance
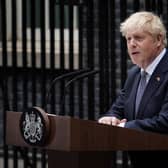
(71, 134)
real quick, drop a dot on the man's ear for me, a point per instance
(159, 40)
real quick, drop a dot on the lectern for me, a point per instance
(78, 143)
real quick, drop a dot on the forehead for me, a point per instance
(137, 32)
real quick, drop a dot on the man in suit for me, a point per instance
(143, 102)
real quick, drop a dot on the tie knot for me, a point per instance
(144, 74)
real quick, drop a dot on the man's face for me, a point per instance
(142, 47)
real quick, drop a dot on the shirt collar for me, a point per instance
(151, 67)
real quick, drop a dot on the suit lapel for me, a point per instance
(154, 82)
(151, 88)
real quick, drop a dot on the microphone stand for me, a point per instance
(61, 77)
(76, 78)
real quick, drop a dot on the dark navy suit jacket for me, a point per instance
(153, 111)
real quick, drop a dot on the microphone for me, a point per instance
(84, 75)
(74, 79)
(61, 77)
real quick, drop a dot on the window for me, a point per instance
(37, 30)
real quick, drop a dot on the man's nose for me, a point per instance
(132, 43)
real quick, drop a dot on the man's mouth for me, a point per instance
(135, 53)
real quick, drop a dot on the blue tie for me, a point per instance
(140, 91)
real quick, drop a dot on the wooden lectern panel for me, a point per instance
(83, 159)
(70, 134)
(77, 143)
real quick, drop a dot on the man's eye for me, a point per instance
(139, 38)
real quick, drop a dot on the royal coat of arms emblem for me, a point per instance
(33, 126)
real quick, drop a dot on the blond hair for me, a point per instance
(146, 21)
